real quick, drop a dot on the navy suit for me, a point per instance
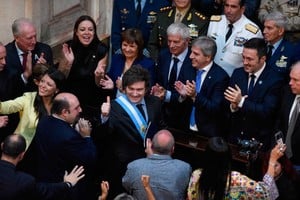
(282, 58)
(15, 185)
(124, 17)
(287, 101)
(209, 103)
(256, 118)
(176, 114)
(14, 64)
(59, 147)
(118, 64)
(125, 141)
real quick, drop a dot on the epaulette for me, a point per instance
(215, 18)
(203, 17)
(165, 8)
(251, 28)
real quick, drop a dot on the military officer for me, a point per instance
(180, 12)
(290, 8)
(139, 14)
(231, 31)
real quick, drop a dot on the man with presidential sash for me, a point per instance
(131, 119)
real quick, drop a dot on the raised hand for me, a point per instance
(105, 107)
(74, 176)
(3, 121)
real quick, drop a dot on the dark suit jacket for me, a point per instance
(15, 185)
(256, 118)
(175, 114)
(124, 17)
(13, 60)
(209, 103)
(282, 58)
(59, 147)
(287, 101)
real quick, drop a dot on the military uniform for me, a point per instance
(197, 23)
(290, 8)
(124, 17)
(229, 53)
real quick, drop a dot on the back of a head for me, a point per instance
(124, 196)
(163, 143)
(13, 145)
(216, 168)
(59, 103)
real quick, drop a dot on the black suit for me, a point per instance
(283, 122)
(59, 147)
(176, 114)
(125, 141)
(14, 64)
(15, 185)
(256, 118)
(209, 103)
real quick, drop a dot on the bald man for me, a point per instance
(169, 177)
(59, 146)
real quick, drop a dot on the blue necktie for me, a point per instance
(198, 86)
(251, 85)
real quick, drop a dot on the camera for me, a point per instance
(249, 147)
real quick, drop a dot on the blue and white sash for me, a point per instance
(134, 114)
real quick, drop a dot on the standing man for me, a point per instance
(290, 9)
(169, 177)
(18, 185)
(140, 14)
(231, 31)
(183, 12)
(25, 42)
(174, 65)
(59, 146)
(289, 120)
(280, 51)
(253, 94)
(131, 118)
(207, 114)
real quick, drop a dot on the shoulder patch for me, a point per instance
(165, 8)
(215, 18)
(200, 15)
(251, 28)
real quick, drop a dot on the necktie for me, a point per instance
(270, 49)
(251, 84)
(291, 127)
(198, 86)
(173, 74)
(140, 108)
(178, 17)
(230, 26)
(138, 8)
(24, 60)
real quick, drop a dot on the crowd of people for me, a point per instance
(98, 124)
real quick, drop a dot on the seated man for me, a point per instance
(18, 185)
(169, 177)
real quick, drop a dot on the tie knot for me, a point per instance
(199, 72)
(252, 76)
(230, 26)
(139, 1)
(175, 60)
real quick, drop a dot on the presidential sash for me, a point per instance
(134, 114)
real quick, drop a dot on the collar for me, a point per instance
(276, 44)
(182, 56)
(20, 52)
(183, 12)
(238, 23)
(159, 157)
(8, 164)
(207, 67)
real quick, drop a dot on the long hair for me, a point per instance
(216, 170)
(59, 78)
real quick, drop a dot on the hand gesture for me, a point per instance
(145, 180)
(148, 149)
(180, 88)
(84, 127)
(3, 121)
(119, 84)
(68, 54)
(191, 89)
(105, 107)
(75, 175)
(158, 91)
(104, 190)
(106, 83)
(40, 59)
(234, 95)
(28, 70)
